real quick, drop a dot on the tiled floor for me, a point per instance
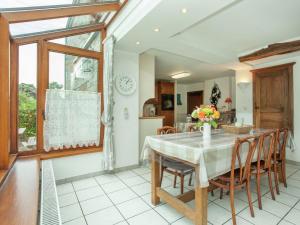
(124, 198)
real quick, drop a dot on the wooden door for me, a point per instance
(194, 99)
(273, 97)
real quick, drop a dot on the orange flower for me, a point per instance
(201, 115)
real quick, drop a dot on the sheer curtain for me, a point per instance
(72, 118)
(107, 117)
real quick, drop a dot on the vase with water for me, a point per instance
(206, 130)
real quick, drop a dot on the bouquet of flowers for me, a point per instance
(207, 114)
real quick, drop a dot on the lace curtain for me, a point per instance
(72, 118)
(107, 117)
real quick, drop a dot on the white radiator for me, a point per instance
(49, 210)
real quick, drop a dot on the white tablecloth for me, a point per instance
(213, 156)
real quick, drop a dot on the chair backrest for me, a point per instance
(242, 156)
(281, 142)
(166, 130)
(193, 128)
(266, 148)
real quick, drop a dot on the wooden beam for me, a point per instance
(272, 50)
(61, 33)
(54, 12)
(14, 83)
(4, 94)
(53, 47)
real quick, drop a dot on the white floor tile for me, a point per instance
(293, 216)
(131, 181)
(239, 221)
(147, 177)
(273, 207)
(67, 199)
(284, 198)
(169, 213)
(123, 195)
(217, 215)
(284, 222)
(89, 193)
(70, 212)
(295, 176)
(95, 204)
(114, 186)
(79, 221)
(147, 199)
(107, 216)
(126, 174)
(133, 207)
(183, 221)
(141, 170)
(150, 218)
(167, 182)
(225, 203)
(141, 189)
(122, 223)
(290, 190)
(291, 170)
(293, 182)
(297, 206)
(261, 217)
(64, 188)
(175, 191)
(106, 178)
(83, 184)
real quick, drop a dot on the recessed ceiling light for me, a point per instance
(180, 75)
(137, 43)
(156, 29)
(184, 10)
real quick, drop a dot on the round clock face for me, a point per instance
(126, 85)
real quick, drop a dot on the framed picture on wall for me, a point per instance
(167, 102)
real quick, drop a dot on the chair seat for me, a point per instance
(178, 166)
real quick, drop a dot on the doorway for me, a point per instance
(194, 98)
(273, 97)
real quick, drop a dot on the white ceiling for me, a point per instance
(208, 39)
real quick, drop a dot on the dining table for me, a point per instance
(210, 157)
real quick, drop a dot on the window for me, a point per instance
(27, 113)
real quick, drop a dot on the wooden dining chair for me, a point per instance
(240, 173)
(174, 167)
(280, 151)
(266, 163)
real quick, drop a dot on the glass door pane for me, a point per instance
(27, 97)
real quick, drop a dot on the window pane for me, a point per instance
(90, 41)
(72, 73)
(27, 97)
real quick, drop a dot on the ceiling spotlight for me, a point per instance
(180, 75)
(184, 10)
(156, 29)
(137, 43)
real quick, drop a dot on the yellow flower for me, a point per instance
(216, 115)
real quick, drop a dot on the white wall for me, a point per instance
(147, 80)
(244, 97)
(226, 87)
(126, 132)
(245, 100)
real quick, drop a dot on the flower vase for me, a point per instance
(206, 130)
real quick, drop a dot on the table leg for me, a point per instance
(200, 202)
(154, 177)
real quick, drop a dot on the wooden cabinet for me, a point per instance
(165, 88)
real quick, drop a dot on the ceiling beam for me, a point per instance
(55, 34)
(272, 50)
(54, 12)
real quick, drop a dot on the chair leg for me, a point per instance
(212, 193)
(232, 206)
(181, 183)
(249, 198)
(175, 180)
(276, 178)
(283, 173)
(221, 193)
(258, 190)
(161, 175)
(190, 180)
(270, 184)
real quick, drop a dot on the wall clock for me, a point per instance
(126, 85)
